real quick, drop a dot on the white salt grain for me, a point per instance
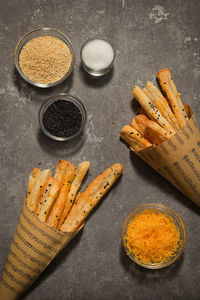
(97, 54)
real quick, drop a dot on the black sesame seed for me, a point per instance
(70, 201)
(45, 212)
(105, 186)
(49, 184)
(62, 118)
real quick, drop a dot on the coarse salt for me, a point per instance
(97, 54)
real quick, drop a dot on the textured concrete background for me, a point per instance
(148, 35)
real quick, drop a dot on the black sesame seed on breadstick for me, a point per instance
(151, 110)
(87, 200)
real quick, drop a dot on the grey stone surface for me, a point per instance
(148, 35)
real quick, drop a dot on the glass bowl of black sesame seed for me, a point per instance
(62, 117)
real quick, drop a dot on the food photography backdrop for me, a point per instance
(147, 36)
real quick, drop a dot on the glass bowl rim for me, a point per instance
(92, 39)
(65, 97)
(169, 212)
(64, 38)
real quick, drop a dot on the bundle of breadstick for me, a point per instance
(54, 211)
(161, 118)
(166, 136)
(57, 201)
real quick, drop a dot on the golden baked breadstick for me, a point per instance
(161, 103)
(45, 206)
(90, 197)
(62, 168)
(168, 86)
(62, 199)
(31, 182)
(150, 130)
(139, 123)
(156, 133)
(151, 110)
(80, 174)
(134, 138)
(44, 194)
(59, 205)
(32, 202)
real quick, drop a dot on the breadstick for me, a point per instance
(151, 110)
(60, 203)
(31, 182)
(151, 131)
(134, 138)
(45, 206)
(156, 133)
(62, 168)
(139, 123)
(168, 86)
(32, 202)
(161, 103)
(90, 197)
(44, 194)
(80, 174)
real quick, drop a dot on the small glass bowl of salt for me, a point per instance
(97, 56)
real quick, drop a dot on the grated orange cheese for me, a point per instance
(152, 236)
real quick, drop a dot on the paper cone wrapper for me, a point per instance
(34, 246)
(178, 159)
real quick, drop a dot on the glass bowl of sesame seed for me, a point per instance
(44, 57)
(62, 117)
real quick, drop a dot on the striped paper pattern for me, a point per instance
(178, 159)
(34, 246)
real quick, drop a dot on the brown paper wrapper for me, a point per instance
(178, 159)
(34, 246)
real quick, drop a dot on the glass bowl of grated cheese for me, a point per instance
(153, 236)
(44, 57)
